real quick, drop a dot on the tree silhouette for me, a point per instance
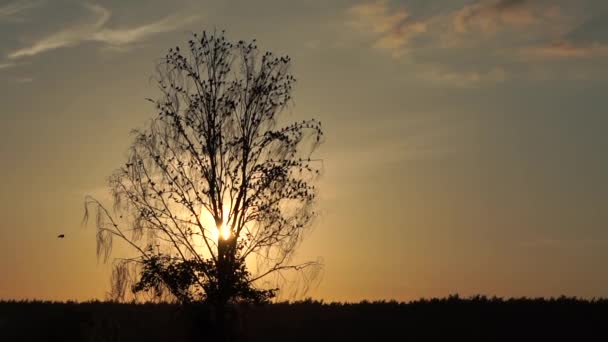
(217, 191)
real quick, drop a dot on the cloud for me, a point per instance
(16, 7)
(462, 78)
(68, 37)
(482, 42)
(488, 16)
(565, 49)
(136, 34)
(25, 80)
(397, 39)
(7, 65)
(392, 29)
(95, 31)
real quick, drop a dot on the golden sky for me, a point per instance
(466, 145)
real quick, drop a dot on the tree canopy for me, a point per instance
(218, 189)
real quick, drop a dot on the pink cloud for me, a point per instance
(392, 28)
(489, 16)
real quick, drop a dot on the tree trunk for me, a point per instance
(225, 276)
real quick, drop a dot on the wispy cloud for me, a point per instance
(565, 49)
(462, 78)
(392, 28)
(94, 30)
(25, 80)
(7, 65)
(479, 42)
(131, 35)
(13, 8)
(68, 37)
(489, 16)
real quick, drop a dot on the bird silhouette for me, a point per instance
(60, 236)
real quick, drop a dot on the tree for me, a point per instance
(215, 182)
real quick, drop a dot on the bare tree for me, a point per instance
(217, 192)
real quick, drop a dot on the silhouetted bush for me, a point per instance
(476, 318)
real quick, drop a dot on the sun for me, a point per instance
(222, 232)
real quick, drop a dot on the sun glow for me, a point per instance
(224, 232)
(218, 230)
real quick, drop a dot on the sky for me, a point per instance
(465, 145)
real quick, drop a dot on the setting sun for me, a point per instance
(222, 231)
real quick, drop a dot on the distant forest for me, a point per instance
(476, 318)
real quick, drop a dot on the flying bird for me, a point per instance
(60, 236)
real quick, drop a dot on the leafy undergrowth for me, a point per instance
(453, 318)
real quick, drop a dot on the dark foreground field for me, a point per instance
(478, 319)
